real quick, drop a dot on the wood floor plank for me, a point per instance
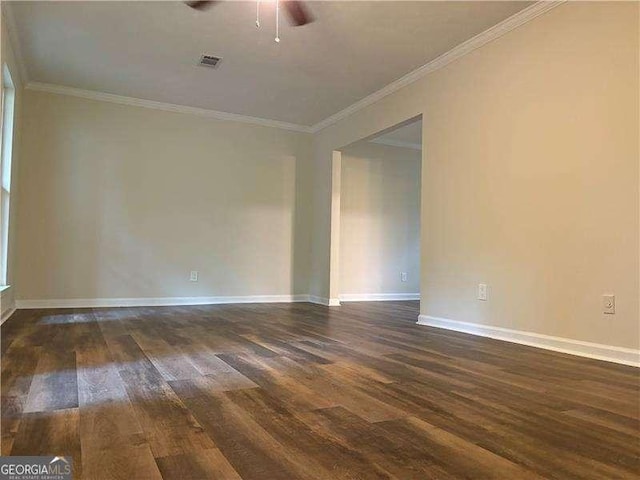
(121, 463)
(113, 441)
(50, 433)
(403, 460)
(12, 408)
(18, 367)
(267, 374)
(304, 392)
(250, 449)
(169, 427)
(55, 383)
(204, 464)
(330, 459)
(456, 454)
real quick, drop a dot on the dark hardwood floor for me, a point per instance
(299, 391)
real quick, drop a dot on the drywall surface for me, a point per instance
(380, 220)
(529, 177)
(121, 201)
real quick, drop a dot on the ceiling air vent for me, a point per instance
(210, 61)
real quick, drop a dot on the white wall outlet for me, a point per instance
(403, 276)
(482, 291)
(193, 277)
(609, 304)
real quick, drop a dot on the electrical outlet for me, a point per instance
(193, 277)
(403, 276)
(482, 291)
(609, 304)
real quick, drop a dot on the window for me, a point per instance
(8, 100)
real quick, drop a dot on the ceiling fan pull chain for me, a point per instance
(258, 14)
(277, 21)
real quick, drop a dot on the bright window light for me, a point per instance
(6, 129)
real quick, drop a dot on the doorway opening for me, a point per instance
(376, 216)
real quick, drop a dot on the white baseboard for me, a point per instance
(7, 314)
(329, 302)
(156, 302)
(609, 353)
(378, 297)
(175, 301)
(7, 303)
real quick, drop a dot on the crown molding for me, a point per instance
(12, 29)
(396, 143)
(169, 107)
(497, 31)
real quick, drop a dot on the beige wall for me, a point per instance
(7, 56)
(123, 202)
(380, 219)
(529, 178)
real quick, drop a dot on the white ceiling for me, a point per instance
(149, 50)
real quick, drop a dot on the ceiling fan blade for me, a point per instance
(298, 12)
(201, 4)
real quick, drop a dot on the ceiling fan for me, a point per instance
(296, 10)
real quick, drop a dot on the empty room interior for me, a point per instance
(332, 240)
